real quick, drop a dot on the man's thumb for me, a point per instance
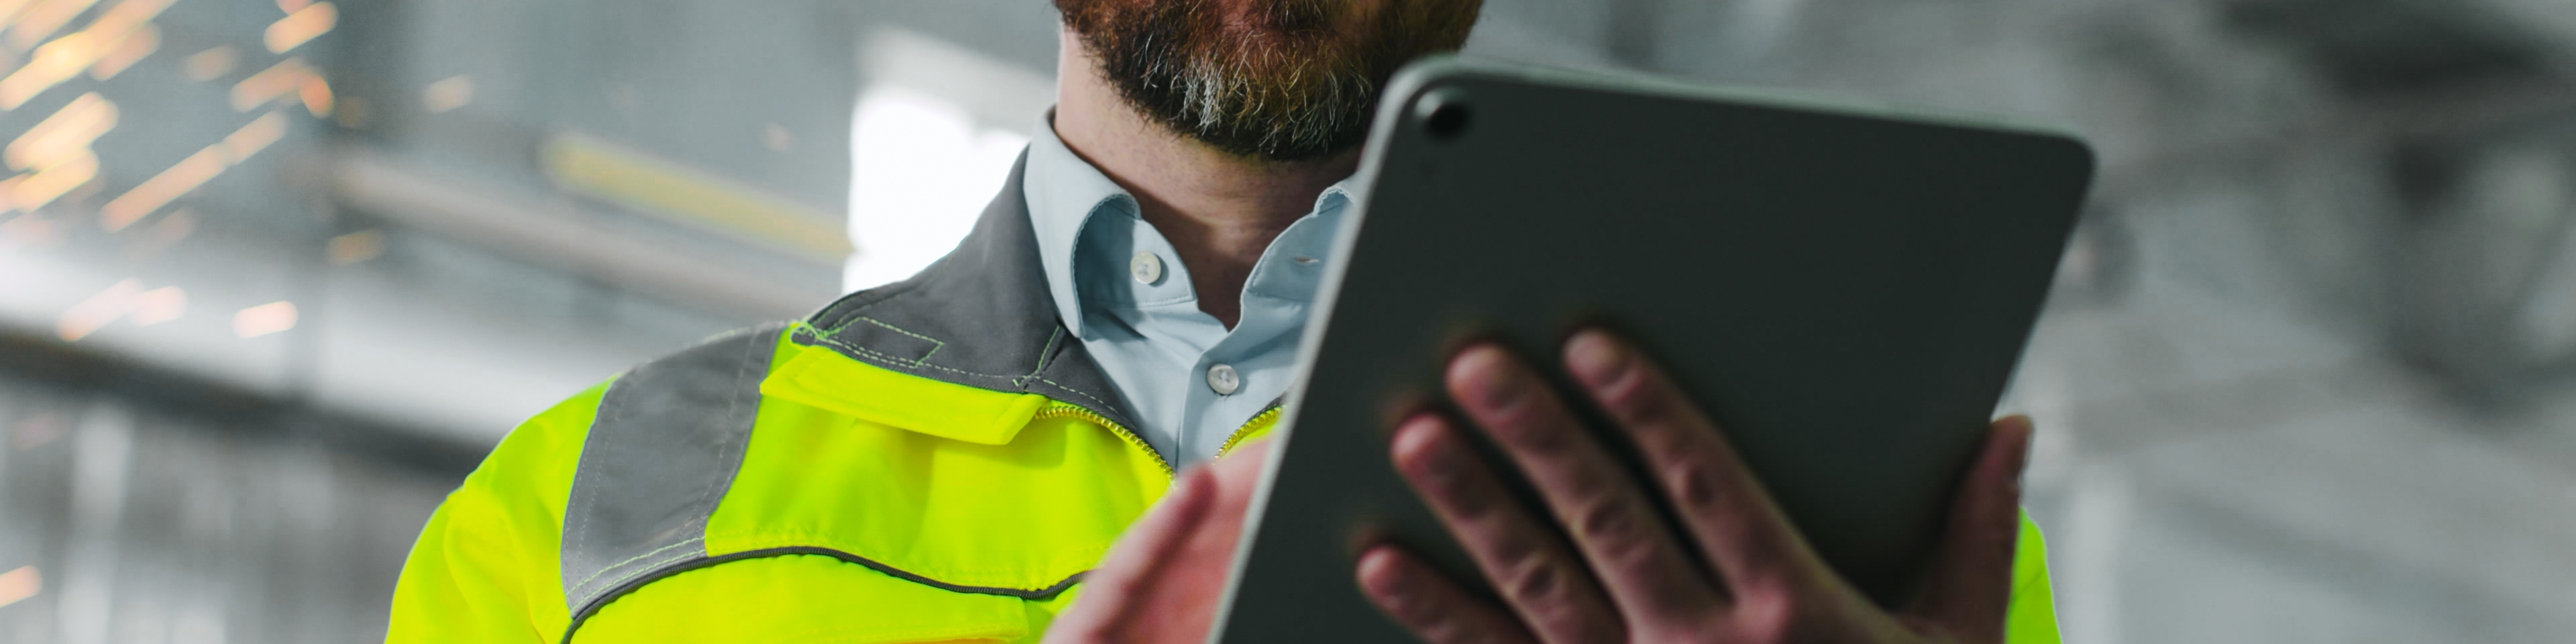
(1100, 613)
(1971, 584)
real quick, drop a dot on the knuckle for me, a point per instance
(1641, 557)
(1625, 389)
(1524, 424)
(1498, 404)
(1634, 400)
(1693, 483)
(1580, 483)
(1536, 580)
(1512, 547)
(1527, 423)
(1510, 409)
(1608, 523)
(1550, 594)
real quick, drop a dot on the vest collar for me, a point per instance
(980, 318)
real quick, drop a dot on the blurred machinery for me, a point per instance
(273, 274)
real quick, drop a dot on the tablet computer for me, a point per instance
(1844, 289)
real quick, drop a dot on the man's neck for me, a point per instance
(1220, 211)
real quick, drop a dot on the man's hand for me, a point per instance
(1624, 576)
(1161, 583)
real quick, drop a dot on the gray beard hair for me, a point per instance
(1303, 96)
(1238, 113)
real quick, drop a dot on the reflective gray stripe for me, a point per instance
(661, 453)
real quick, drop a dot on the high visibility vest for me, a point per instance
(931, 461)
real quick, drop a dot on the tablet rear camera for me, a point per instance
(1444, 113)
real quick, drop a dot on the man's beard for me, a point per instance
(1283, 82)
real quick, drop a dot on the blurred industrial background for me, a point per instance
(274, 273)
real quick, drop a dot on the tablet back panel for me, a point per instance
(1845, 290)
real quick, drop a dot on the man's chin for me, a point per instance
(1277, 80)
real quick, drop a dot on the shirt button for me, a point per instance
(1224, 380)
(1146, 268)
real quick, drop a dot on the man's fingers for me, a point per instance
(1125, 571)
(1430, 605)
(1164, 528)
(1721, 503)
(1528, 565)
(1612, 520)
(1972, 578)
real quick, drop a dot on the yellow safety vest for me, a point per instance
(932, 461)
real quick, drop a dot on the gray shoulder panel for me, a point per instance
(980, 317)
(661, 454)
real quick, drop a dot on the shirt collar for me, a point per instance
(1065, 193)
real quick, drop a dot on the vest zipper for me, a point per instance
(1070, 410)
(1237, 437)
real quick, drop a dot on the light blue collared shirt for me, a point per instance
(1149, 336)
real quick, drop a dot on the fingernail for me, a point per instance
(1420, 439)
(1436, 467)
(1377, 560)
(1594, 356)
(1378, 574)
(1484, 375)
(2018, 456)
(2019, 424)
(2021, 461)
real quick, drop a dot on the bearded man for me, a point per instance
(951, 457)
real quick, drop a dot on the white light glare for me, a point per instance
(921, 172)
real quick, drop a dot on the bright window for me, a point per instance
(922, 170)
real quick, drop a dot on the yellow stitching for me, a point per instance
(1078, 392)
(899, 362)
(585, 581)
(1048, 352)
(935, 344)
(854, 313)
